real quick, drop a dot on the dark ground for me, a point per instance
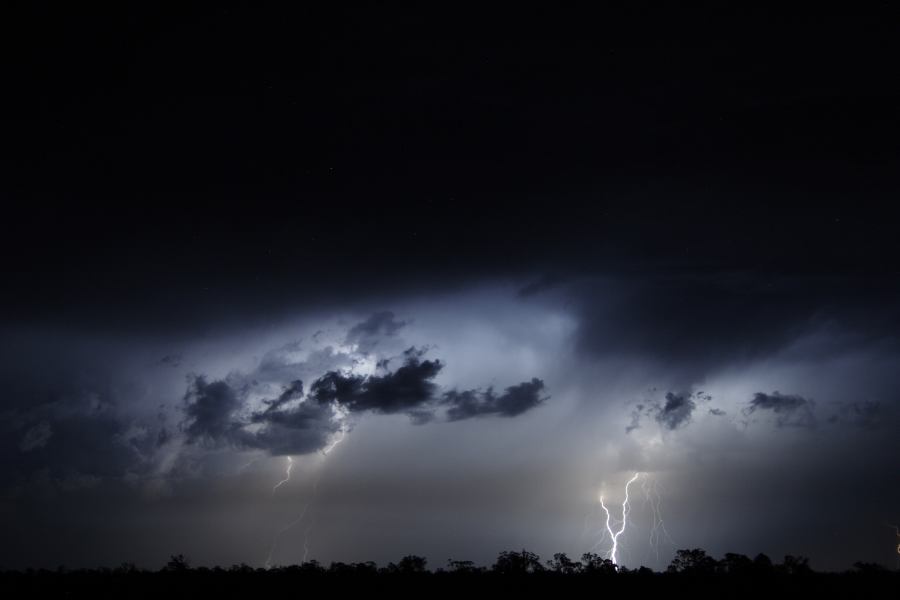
(692, 573)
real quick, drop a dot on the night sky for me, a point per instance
(462, 271)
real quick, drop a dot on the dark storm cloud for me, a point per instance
(292, 391)
(514, 401)
(298, 423)
(868, 415)
(301, 429)
(700, 322)
(368, 333)
(676, 411)
(789, 409)
(210, 409)
(408, 388)
(73, 440)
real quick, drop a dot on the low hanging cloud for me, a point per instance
(514, 401)
(789, 410)
(86, 431)
(675, 412)
(210, 409)
(408, 388)
(299, 422)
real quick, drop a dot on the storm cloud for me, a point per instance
(515, 400)
(299, 422)
(367, 334)
(675, 412)
(407, 388)
(790, 410)
(210, 408)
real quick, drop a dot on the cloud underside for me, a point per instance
(298, 423)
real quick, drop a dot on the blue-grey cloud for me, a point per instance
(367, 334)
(515, 400)
(676, 411)
(790, 410)
(210, 409)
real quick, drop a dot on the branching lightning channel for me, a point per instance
(287, 474)
(341, 417)
(613, 552)
(653, 500)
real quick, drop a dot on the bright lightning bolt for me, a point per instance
(287, 474)
(615, 535)
(340, 415)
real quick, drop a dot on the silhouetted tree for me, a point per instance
(127, 568)
(178, 563)
(364, 568)
(795, 565)
(463, 566)
(736, 564)
(692, 562)
(762, 564)
(562, 564)
(312, 566)
(597, 565)
(241, 568)
(518, 563)
(867, 568)
(409, 564)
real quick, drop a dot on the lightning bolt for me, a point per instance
(284, 530)
(340, 415)
(653, 500)
(612, 554)
(287, 474)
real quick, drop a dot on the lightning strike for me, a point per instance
(653, 500)
(612, 555)
(287, 474)
(341, 416)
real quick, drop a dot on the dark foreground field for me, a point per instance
(516, 574)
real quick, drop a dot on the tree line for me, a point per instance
(694, 562)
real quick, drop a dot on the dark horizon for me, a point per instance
(344, 284)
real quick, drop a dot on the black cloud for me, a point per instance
(210, 409)
(299, 430)
(408, 388)
(515, 400)
(213, 408)
(789, 409)
(75, 440)
(676, 411)
(699, 322)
